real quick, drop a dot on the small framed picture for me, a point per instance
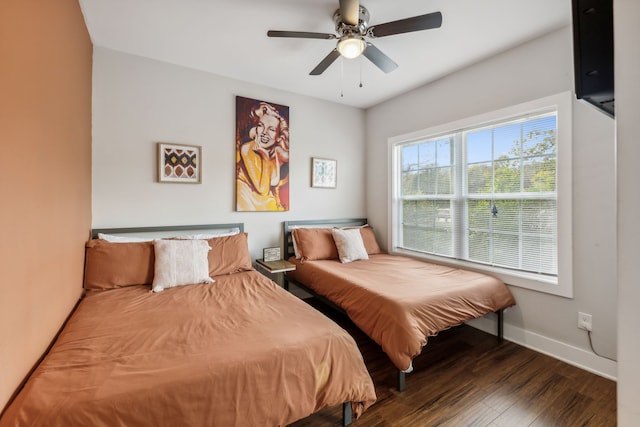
(324, 173)
(179, 163)
(271, 254)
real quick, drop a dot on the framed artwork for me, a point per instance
(179, 163)
(262, 156)
(271, 254)
(324, 173)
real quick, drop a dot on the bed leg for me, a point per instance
(500, 325)
(347, 416)
(401, 381)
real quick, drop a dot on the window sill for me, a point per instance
(535, 282)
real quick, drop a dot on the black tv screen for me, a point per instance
(593, 52)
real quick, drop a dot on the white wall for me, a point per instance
(138, 102)
(627, 63)
(534, 70)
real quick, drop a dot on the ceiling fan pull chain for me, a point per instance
(341, 78)
(360, 71)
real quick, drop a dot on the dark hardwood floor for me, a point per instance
(464, 377)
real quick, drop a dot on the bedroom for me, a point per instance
(136, 99)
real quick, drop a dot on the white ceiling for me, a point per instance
(228, 38)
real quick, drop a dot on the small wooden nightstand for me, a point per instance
(276, 268)
(279, 266)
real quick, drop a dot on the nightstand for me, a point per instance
(275, 270)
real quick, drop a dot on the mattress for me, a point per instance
(399, 302)
(241, 351)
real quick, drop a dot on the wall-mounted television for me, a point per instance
(593, 53)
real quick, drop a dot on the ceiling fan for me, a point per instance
(352, 26)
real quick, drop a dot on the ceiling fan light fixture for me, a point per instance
(351, 46)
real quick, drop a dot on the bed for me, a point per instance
(407, 300)
(240, 351)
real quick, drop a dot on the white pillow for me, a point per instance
(349, 244)
(211, 235)
(123, 239)
(180, 262)
(295, 245)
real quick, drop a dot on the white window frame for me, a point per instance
(562, 284)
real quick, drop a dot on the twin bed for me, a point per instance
(397, 301)
(239, 351)
(143, 348)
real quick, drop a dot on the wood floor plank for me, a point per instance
(464, 377)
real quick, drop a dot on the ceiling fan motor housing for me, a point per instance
(345, 29)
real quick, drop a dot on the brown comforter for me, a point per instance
(241, 351)
(399, 302)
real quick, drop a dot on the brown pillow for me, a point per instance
(229, 254)
(114, 265)
(315, 243)
(369, 240)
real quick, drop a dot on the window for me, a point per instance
(484, 193)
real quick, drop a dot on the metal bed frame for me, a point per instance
(172, 231)
(165, 231)
(287, 226)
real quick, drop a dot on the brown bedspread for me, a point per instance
(241, 351)
(399, 302)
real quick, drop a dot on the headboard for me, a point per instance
(166, 231)
(287, 226)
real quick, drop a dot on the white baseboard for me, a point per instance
(572, 355)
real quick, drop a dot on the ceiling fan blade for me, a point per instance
(324, 64)
(380, 60)
(350, 11)
(301, 35)
(417, 23)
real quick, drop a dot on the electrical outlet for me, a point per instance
(584, 321)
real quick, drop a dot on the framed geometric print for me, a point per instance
(179, 163)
